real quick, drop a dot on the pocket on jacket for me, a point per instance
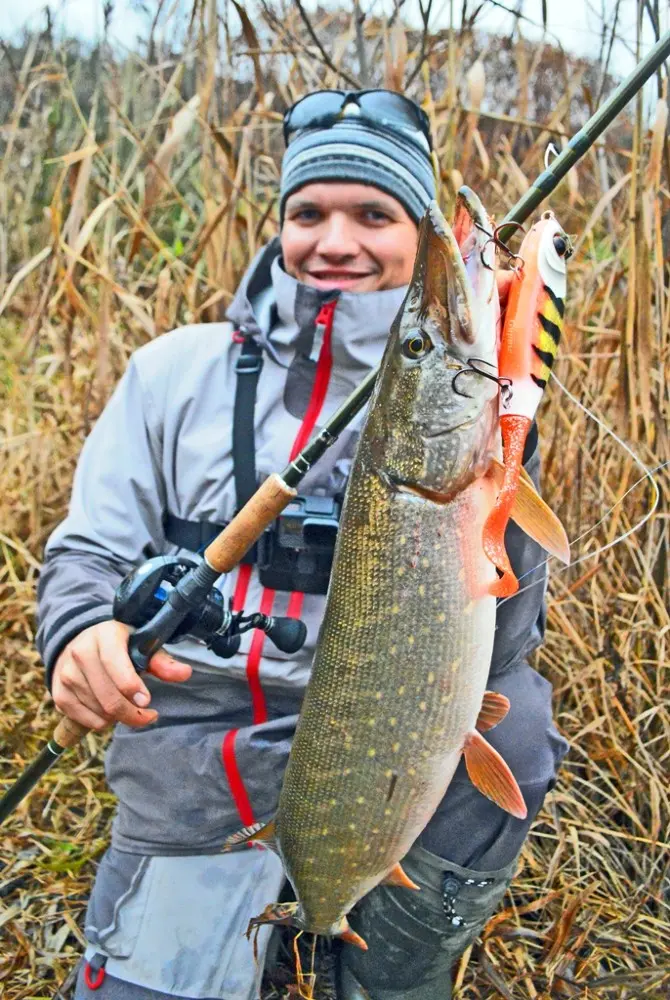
(118, 903)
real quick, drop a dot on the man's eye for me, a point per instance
(376, 217)
(305, 215)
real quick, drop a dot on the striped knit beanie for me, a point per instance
(359, 153)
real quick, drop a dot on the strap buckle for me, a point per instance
(250, 360)
(248, 364)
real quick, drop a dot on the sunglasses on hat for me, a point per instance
(382, 108)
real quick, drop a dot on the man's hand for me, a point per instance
(96, 684)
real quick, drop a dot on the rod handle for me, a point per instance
(258, 513)
(68, 733)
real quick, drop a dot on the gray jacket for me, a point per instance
(163, 445)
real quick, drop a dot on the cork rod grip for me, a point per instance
(68, 733)
(225, 552)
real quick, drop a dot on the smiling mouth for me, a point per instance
(339, 275)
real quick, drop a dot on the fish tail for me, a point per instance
(514, 430)
(290, 915)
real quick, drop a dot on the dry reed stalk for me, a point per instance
(476, 85)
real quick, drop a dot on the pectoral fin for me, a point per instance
(259, 834)
(494, 708)
(397, 876)
(491, 776)
(350, 936)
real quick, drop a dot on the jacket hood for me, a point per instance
(282, 313)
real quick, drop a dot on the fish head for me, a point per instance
(433, 422)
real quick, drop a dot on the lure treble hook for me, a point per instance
(515, 260)
(503, 383)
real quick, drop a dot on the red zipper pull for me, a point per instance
(326, 315)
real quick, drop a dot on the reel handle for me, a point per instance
(288, 634)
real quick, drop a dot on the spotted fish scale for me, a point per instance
(391, 700)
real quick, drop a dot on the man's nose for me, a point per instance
(337, 237)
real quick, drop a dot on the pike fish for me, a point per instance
(398, 688)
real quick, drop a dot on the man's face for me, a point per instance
(348, 236)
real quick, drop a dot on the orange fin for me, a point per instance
(514, 431)
(491, 776)
(534, 516)
(248, 835)
(350, 936)
(494, 708)
(397, 876)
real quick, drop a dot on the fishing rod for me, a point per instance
(584, 139)
(188, 605)
(191, 606)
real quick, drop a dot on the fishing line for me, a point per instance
(647, 474)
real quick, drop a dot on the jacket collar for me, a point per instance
(278, 309)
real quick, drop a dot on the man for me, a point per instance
(159, 471)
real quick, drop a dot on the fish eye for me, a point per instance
(562, 245)
(416, 345)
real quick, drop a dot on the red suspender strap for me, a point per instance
(242, 586)
(321, 380)
(234, 777)
(294, 609)
(258, 705)
(237, 789)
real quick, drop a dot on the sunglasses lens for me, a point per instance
(386, 108)
(395, 107)
(312, 108)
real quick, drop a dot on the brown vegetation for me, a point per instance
(133, 191)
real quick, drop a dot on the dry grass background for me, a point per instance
(133, 189)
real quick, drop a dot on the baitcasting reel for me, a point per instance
(145, 592)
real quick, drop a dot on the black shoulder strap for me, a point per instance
(248, 369)
(194, 535)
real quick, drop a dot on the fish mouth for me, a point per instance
(462, 425)
(399, 485)
(432, 496)
(440, 289)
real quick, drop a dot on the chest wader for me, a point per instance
(414, 938)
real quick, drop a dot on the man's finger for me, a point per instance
(114, 705)
(83, 715)
(113, 653)
(82, 691)
(166, 668)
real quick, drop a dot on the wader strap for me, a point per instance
(192, 535)
(248, 369)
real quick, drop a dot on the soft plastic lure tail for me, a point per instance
(529, 344)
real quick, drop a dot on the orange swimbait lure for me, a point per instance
(529, 344)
